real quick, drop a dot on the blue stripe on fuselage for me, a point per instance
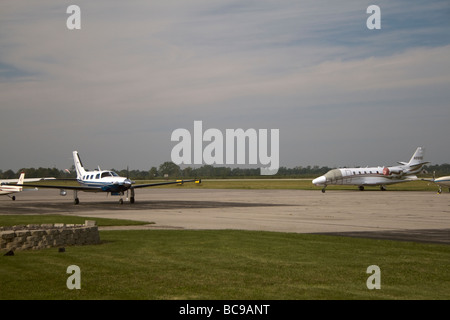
(104, 186)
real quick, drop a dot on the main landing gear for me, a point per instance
(75, 197)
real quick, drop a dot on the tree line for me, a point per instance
(171, 170)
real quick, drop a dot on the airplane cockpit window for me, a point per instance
(105, 174)
(109, 174)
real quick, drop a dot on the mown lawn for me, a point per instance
(228, 264)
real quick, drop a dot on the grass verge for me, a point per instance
(229, 264)
(11, 220)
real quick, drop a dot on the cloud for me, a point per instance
(138, 72)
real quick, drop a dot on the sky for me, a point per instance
(339, 93)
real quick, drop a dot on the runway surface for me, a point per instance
(395, 215)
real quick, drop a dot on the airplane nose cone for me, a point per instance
(319, 181)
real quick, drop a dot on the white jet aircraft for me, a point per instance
(103, 181)
(374, 176)
(7, 189)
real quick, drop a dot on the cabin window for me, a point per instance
(97, 176)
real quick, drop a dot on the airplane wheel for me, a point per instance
(361, 188)
(76, 201)
(131, 199)
(13, 198)
(121, 201)
(323, 190)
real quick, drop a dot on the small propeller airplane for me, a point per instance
(9, 186)
(374, 176)
(103, 181)
(441, 182)
(7, 189)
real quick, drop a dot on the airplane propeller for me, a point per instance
(128, 179)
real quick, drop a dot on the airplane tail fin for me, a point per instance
(417, 157)
(78, 165)
(21, 178)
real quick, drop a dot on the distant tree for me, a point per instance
(169, 168)
(9, 174)
(153, 172)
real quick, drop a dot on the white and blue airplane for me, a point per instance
(441, 182)
(103, 181)
(374, 176)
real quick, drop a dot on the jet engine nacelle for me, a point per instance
(62, 192)
(392, 171)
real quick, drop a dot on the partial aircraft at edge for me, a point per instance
(102, 181)
(374, 176)
(441, 182)
(7, 188)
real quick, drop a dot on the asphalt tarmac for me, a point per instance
(394, 215)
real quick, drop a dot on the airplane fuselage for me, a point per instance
(370, 176)
(5, 189)
(104, 181)
(443, 181)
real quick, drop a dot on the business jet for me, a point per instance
(6, 189)
(103, 181)
(441, 182)
(373, 176)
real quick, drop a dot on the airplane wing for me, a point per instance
(164, 183)
(99, 188)
(14, 181)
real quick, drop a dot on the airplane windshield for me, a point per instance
(109, 174)
(333, 175)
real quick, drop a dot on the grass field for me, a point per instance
(303, 184)
(293, 184)
(227, 265)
